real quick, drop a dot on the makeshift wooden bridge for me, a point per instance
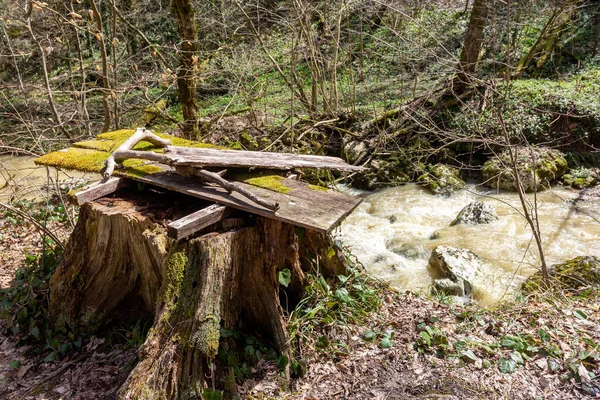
(229, 178)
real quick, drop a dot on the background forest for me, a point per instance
(438, 92)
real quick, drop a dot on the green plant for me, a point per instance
(24, 307)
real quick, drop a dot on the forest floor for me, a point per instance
(415, 346)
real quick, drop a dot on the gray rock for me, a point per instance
(476, 213)
(537, 167)
(460, 266)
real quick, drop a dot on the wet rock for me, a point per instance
(573, 274)
(538, 168)
(408, 251)
(476, 213)
(582, 178)
(382, 173)
(354, 150)
(460, 266)
(442, 179)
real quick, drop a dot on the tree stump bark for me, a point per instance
(119, 262)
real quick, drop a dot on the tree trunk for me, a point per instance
(186, 76)
(472, 46)
(119, 263)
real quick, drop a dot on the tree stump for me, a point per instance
(119, 263)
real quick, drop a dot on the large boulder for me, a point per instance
(453, 270)
(476, 213)
(582, 178)
(573, 274)
(442, 179)
(538, 167)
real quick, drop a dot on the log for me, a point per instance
(120, 263)
(197, 221)
(98, 189)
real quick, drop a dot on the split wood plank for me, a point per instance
(98, 189)
(197, 221)
(300, 206)
(203, 157)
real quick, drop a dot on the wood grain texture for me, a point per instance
(197, 221)
(301, 206)
(248, 159)
(98, 189)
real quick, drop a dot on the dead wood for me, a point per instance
(120, 260)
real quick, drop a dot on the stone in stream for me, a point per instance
(537, 167)
(476, 213)
(453, 270)
(442, 179)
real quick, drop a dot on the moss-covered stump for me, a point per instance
(120, 263)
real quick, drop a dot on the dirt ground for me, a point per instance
(355, 365)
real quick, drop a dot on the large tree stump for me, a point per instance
(119, 263)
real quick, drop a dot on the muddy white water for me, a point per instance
(394, 231)
(21, 179)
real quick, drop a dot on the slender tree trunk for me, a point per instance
(59, 122)
(106, 92)
(469, 56)
(186, 76)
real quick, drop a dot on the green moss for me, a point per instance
(101, 145)
(317, 188)
(206, 338)
(270, 182)
(74, 158)
(138, 168)
(573, 274)
(173, 273)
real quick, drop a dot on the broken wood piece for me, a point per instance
(256, 159)
(216, 178)
(121, 153)
(98, 189)
(300, 205)
(197, 221)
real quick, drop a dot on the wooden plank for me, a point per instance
(300, 206)
(197, 221)
(98, 189)
(248, 159)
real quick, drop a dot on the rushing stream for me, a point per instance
(394, 231)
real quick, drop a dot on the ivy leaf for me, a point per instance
(14, 364)
(51, 357)
(330, 252)
(386, 343)
(211, 394)
(506, 365)
(426, 338)
(342, 295)
(284, 276)
(35, 332)
(370, 335)
(544, 335)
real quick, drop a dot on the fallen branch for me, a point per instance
(124, 151)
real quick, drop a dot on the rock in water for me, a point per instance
(455, 269)
(442, 179)
(476, 213)
(573, 274)
(537, 167)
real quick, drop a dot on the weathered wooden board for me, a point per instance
(255, 159)
(98, 189)
(301, 206)
(197, 221)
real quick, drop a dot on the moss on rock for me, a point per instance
(538, 167)
(442, 179)
(573, 274)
